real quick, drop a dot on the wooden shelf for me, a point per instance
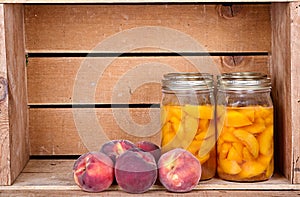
(55, 177)
(137, 1)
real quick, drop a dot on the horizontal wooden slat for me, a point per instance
(137, 1)
(75, 131)
(54, 178)
(216, 28)
(125, 80)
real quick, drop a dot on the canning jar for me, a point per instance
(244, 127)
(187, 117)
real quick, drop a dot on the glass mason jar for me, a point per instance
(244, 127)
(187, 117)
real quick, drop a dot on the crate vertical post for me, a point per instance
(286, 88)
(14, 149)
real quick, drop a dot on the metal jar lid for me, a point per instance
(187, 81)
(244, 81)
(243, 75)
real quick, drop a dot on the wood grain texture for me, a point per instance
(123, 28)
(295, 87)
(14, 152)
(5, 176)
(125, 80)
(17, 88)
(281, 86)
(75, 131)
(54, 177)
(136, 1)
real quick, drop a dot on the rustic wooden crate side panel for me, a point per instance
(59, 132)
(5, 175)
(295, 87)
(126, 79)
(17, 88)
(281, 71)
(80, 28)
(14, 148)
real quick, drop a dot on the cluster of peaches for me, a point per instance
(245, 144)
(136, 167)
(191, 127)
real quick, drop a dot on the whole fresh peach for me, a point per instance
(151, 148)
(135, 171)
(93, 172)
(179, 170)
(114, 148)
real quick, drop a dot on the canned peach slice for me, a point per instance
(265, 140)
(269, 120)
(189, 131)
(167, 138)
(175, 111)
(204, 158)
(265, 160)
(233, 154)
(229, 137)
(223, 151)
(270, 169)
(263, 112)
(238, 147)
(175, 124)
(230, 166)
(257, 127)
(236, 119)
(248, 111)
(251, 169)
(194, 146)
(247, 156)
(203, 125)
(248, 140)
(200, 136)
(207, 145)
(202, 111)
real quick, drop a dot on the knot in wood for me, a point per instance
(232, 61)
(3, 89)
(229, 11)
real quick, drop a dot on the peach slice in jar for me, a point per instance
(229, 166)
(258, 126)
(251, 169)
(248, 111)
(234, 118)
(248, 140)
(199, 111)
(234, 155)
(265, 140)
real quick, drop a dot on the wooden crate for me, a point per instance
(46, 122)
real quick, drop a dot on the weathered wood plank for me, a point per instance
(54, 177)
(295, 87)
(123, 28)
(285, 71)
(17, 88)
(138, 1)
(5, 176)
(125, 80)
(14, 150)
(281, 81)
(75, 131)
(70, 191)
